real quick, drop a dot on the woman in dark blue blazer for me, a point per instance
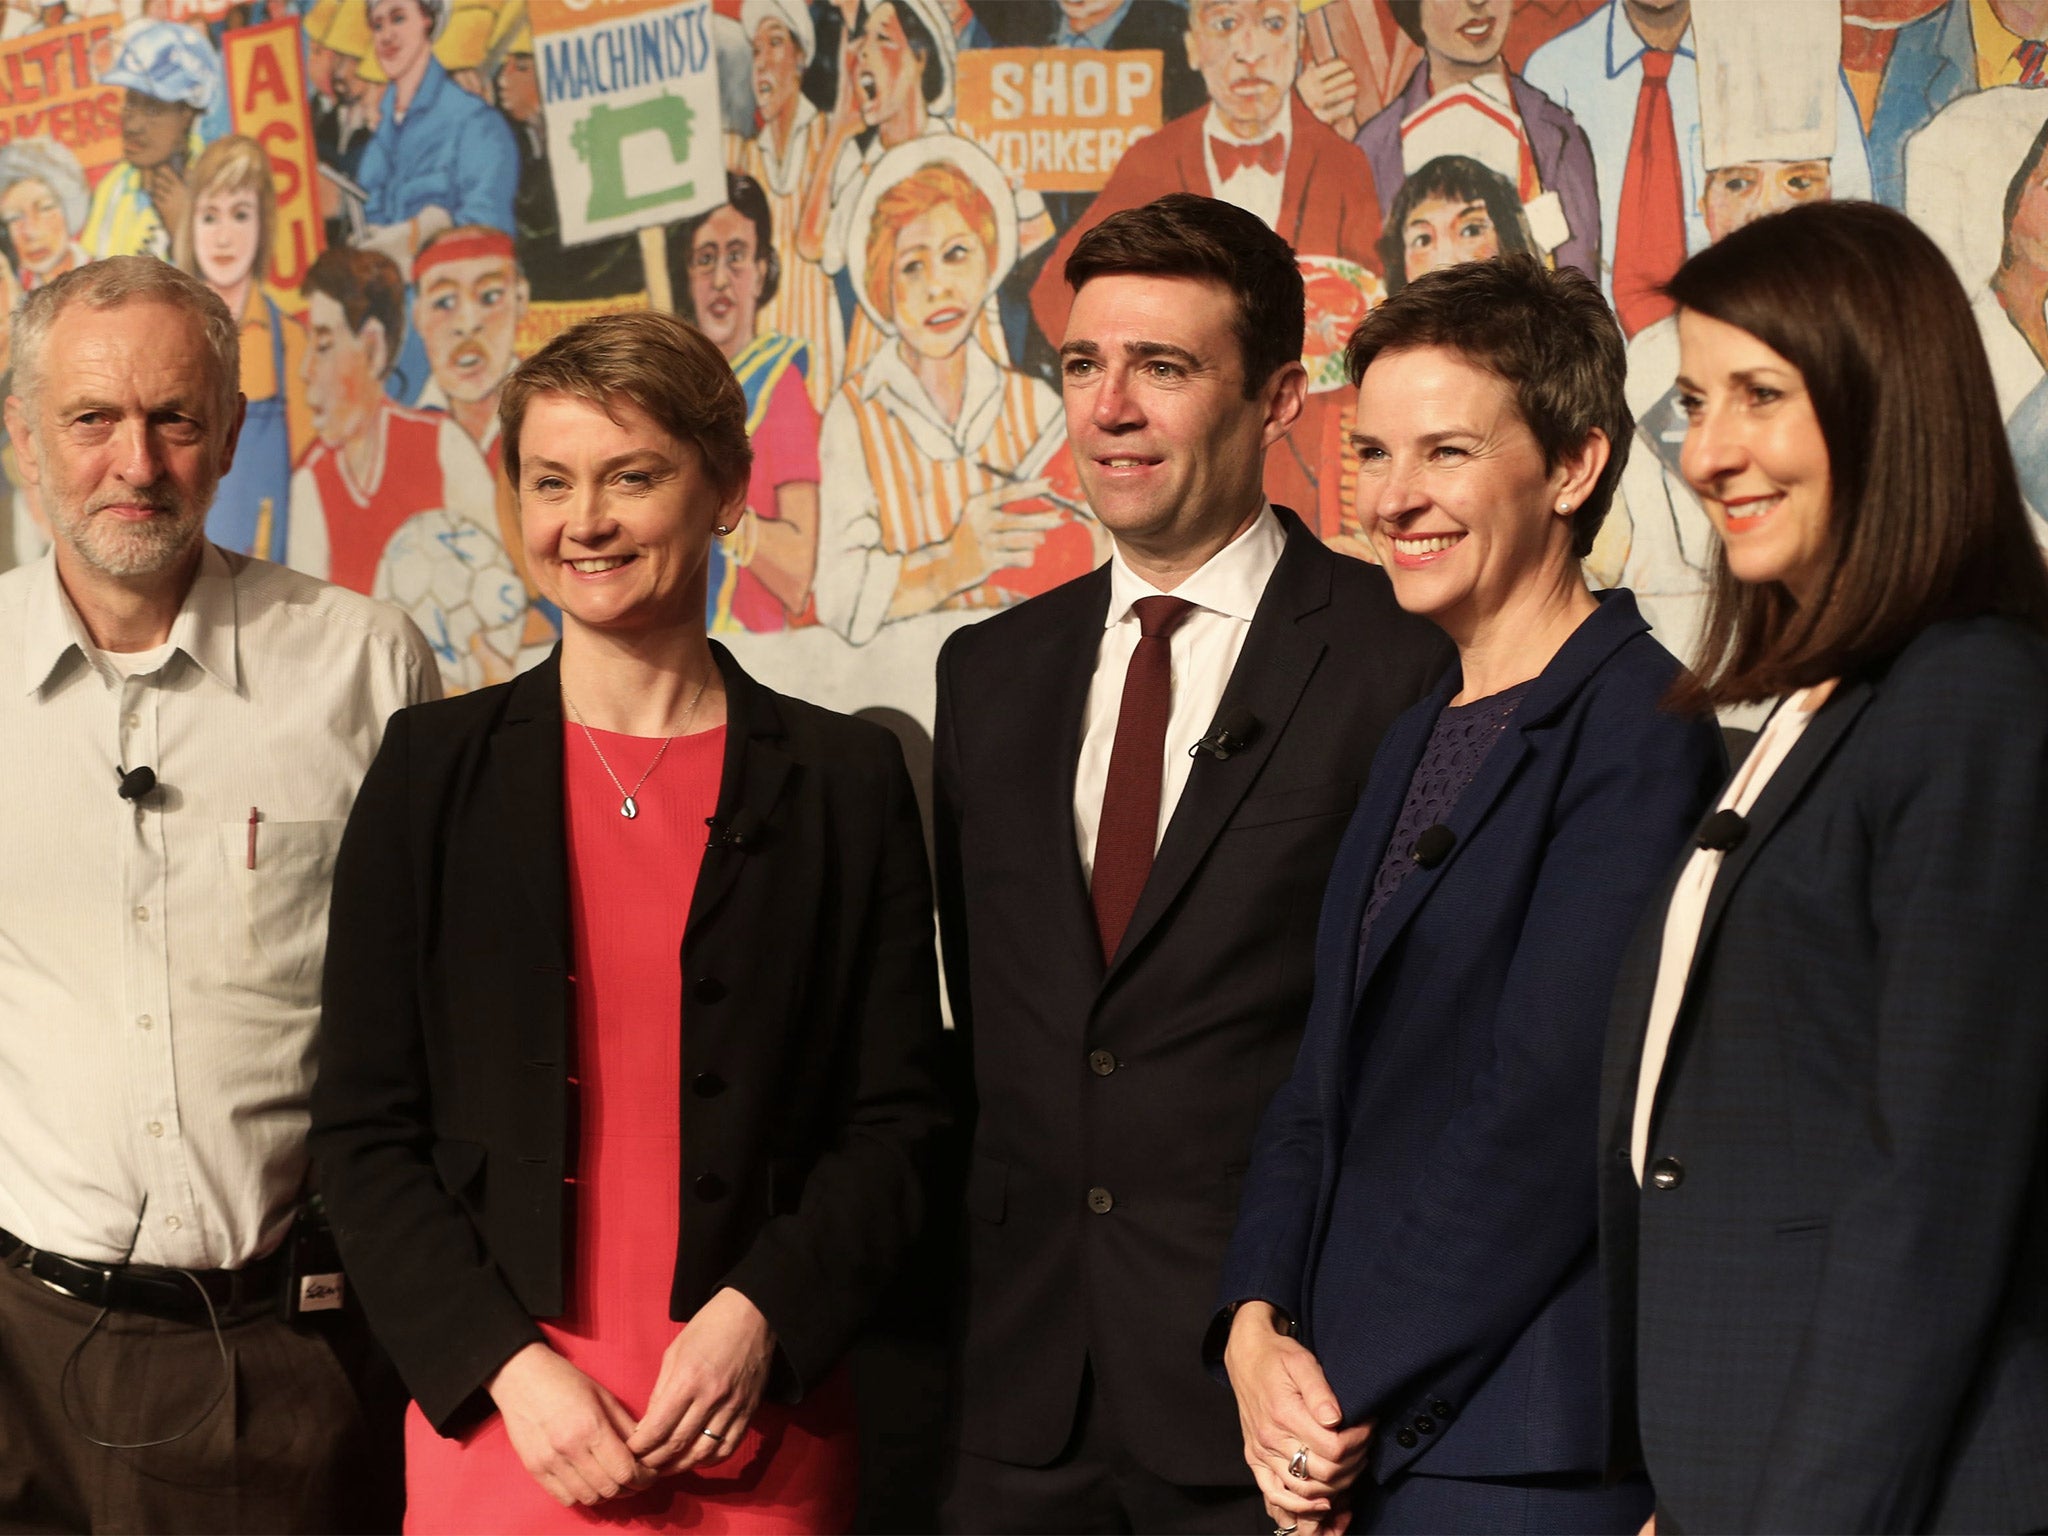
(1824, 1200)
(1411, 1312)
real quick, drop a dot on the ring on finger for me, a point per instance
(710, 1435)
(1298, 1468)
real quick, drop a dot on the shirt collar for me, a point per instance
(1624, 47)
(1230, 582)
(1213, 127)
(1096, 36)
(205, 628)
(981, 400)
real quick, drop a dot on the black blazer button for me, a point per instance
(1102, 1063)
(709, 1186)
(709, 989)
(707, 1085)
(1441, 1409)
(1424, 1424)
(1405, 1439)
(1100, 1200)
(1667, 1173)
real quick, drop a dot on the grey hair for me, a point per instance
(122, 280)
(49, 162)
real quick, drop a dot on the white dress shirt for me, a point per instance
(1257, 192)
(1203, 650)
(158, 996)
(1688, 909)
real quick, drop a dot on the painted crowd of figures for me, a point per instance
(886, 279)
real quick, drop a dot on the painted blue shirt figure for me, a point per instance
(451, 151)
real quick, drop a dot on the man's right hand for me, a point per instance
(570, 1432)
(1284, 1406)
(988, 539)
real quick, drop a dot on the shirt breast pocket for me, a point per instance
(274, 915)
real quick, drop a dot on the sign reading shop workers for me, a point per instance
(631, 91)
(1060, 118)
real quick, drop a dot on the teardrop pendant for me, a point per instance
(628, 809)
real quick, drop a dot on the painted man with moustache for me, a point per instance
(1257, 146)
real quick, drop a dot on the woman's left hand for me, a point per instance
(712, 1376)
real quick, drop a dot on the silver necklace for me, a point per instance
(629, 807)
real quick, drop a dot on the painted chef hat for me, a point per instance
(1770, 78)
(793, 14)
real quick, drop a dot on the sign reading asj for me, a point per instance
(48, 91)
(267, 94)
(631, 91)
(1060, 118)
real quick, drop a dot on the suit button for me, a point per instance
(1102, 1063)
(1667, 1173)
(1424, 1424)
(709, 1186)
(709, 989)
(1441, 1409)
(707, 1085)
(1100, 1200)
(1406, 1439)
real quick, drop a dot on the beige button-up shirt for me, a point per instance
(159, 983)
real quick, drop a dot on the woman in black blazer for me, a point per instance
(585, 1064)
(1825, 1183)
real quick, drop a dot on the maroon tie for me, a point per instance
(1129, 828)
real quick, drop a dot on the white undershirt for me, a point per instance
(1688, 909)
(1255, 191)
(1203, 651)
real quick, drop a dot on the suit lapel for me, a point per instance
(1194, 169)
(751, 781)
(1271, 672)
(526, 748)
(1053, 697)
(1294, 183)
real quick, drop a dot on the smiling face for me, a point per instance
(1736, 195)
(34, 217)
(344, 372)
(153, 131)
(1464, 32)
(890, 79)
(467, 314)
(616, 514)
(227, 228)
(727, 272)
(401, 32)
(778, 69)
(1247, 52)
(938, 281)
(125, 441)
(1446, 232)
(1170, 453)
(1452, 489)
(1755, 455)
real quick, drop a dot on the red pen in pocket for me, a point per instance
(252, 837)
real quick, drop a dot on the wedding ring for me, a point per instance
(1298, 1468)
(1285, 1530)
(710, 1436)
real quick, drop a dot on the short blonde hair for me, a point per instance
(914, 196)
(662, 364)
(232, 164)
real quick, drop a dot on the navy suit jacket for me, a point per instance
(1835, 1318)
(1429, 1222)
(1933, 61)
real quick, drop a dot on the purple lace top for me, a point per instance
(1463, 736)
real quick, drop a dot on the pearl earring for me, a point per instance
(1564, 506)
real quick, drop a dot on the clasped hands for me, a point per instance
(1292, 1424)
(581, 1445)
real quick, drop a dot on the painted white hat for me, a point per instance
(793, 14)
(933, 15)
(1770, 78)
(905, 161)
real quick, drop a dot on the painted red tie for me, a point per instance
(1129, 828)
(1649, 226)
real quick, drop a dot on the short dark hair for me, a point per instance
(1407, 16)
(1459, 180)
(1548, 334)
(745, 197)
(1182, 235)
(368, 286)
(1925, 520)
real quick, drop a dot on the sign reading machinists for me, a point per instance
(631, 91)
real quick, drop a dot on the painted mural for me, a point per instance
(866, 205)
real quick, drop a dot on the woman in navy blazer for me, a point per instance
(1410, 1302)
(1824, 1200)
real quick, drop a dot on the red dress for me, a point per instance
(629, 896)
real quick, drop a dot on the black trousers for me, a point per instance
(1094, 1486)
(304, 1431)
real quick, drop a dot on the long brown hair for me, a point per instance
(1925, 521)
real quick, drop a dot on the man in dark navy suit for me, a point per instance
(1141, 778)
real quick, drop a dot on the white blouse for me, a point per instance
(1688, 909)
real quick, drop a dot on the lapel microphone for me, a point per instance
(1434, 844)
(1234, 729)
(743, 831)
(1722, 832)
(136, 783)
